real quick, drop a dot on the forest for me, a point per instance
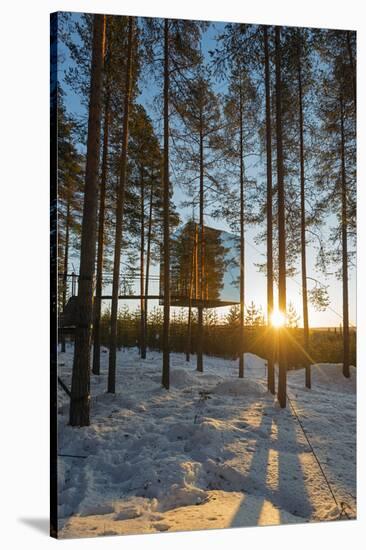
(169, 133)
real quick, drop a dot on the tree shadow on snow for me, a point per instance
(274, 485)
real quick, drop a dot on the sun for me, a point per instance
(278, 319)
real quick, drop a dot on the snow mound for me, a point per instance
(240, 386)
(209, 433)
(209, 378)
(253, 362)
(179, 496)
(179, 431)
(328, 376)
(181, 378)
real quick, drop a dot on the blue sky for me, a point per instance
(255, 282)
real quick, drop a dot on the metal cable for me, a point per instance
(342, 505)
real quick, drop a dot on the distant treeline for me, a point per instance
(222, 337)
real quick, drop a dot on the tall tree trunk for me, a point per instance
(346, 370)
(66, 265)
(303, 222)
(166, 199)
(149, 231)
(282, 355)
(142, 263)
(99, 281)
(270, 359)
(119, 215)
(353, 68)
(189, 332)
(201, 260)
(80, 384)
(242, 249)
(190, 290)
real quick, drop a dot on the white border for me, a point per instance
(24, 352)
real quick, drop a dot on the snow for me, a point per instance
(214, 451)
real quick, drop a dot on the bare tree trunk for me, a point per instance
(142, 262)
(282, 355)
(148, 258)
(119, 215)
(189, 333)
(80, 384)
(270, 359)
(346, 371)
(191, 281)
(202, 262)
(242, 246)
(166, 199)
(99, 281)
(303, 223)
(66, 265)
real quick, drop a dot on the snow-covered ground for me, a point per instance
(214, 451)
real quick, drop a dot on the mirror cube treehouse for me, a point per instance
(202, 274)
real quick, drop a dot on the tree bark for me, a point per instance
(282, 359)
(66, 265)
(80, 384)
(119, 215)
(191, 282)
(201, 260)
(303, 222)
(353, 69)
(270, 358)
(149, 231)
(99, 281)
(142, 263)
(166, 199)
(346, 370)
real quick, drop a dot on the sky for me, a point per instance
(255, 282)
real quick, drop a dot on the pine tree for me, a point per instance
(269, 205)
(80, 385)
(165, 379)
(145, 157)
(201, 118)
(176, 41)
(69, 181)
(292, 319)
(282, 360)
(119, 211)
(102, 201)
(336, 161)
(254, 315)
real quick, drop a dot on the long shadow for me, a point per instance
(249, 510)
(275, 473)
(292, 492)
